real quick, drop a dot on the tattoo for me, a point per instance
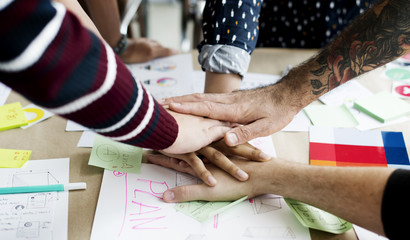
(372, 40)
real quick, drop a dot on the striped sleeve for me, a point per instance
(50, 58)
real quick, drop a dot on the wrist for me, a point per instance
(121, 45)
(222, 82)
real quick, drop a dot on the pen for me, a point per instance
(43, 188)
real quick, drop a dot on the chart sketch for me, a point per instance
(269, 233)
(266, 203)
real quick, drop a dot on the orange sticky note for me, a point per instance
(11, 158)
(12, 116)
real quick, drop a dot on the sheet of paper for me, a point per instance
(74, 127)
(202, 210)
(330, 116)
(12, 116)
(35, 114)
(35, 215)
(4, 93)
(130, 207)
(87, 139)
(383, 107)
(117, 156)
(12, 158)
(300, 123)
(364, 234)
(166, 77)
(346, 93)
(316, 218)
(351, 147)
(401, 89)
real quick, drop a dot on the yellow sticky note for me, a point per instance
(12, 116)
(10, 158)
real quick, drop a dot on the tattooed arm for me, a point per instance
(377, 37)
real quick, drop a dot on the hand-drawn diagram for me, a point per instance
(266, 203)
(33, 177)
(269, 233)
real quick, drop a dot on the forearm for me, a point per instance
(74, 7)
(74, 74)
(354, 194)
(222, 82)
(375, 38)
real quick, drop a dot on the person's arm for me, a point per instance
(377, 37)
(50, 58)
(106, 16)
(230, 30)
(352, 193)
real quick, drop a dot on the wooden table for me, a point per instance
(50, 140)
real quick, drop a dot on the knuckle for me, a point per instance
(217, 156)
(203, 174)
(198, 96)
(184, 192)
(245, 132)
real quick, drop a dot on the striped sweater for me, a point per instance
(50, 58)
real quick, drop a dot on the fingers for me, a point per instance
(245, 133)
(220, 160)
(170, 162)
(200, 170)
(186, 193)
(245, 150)
(164, 52)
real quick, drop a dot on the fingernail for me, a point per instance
(211, 180)
(264, 156)
(232, 139)
(168, 196)
(242, 175)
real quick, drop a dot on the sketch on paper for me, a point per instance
(266, 203)
(33, 177)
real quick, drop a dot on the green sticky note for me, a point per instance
(116, 156)
(330, 116)
(383, 106)
(316, 218)
(12, 116)
(202, 210)
(11, 158)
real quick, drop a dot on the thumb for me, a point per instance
(185, 193)
(245, 133)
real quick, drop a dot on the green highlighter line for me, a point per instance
(44, 188)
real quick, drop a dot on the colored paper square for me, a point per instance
(116, 156)
(383, 107)
(397, 155)
(322, 163)
(11, 158)
(330, 116)
(352, 136)
(393, 139)
(322, 151)
(360, 154)
(12, 116)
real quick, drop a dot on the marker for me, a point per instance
(44, 188)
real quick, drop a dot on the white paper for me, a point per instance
(166, 77)
(35, 215)
(86, 139)
(130, 207)
(74, 127)
(4, 93)
(346, 93)
(299, 123)
(364, 234)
